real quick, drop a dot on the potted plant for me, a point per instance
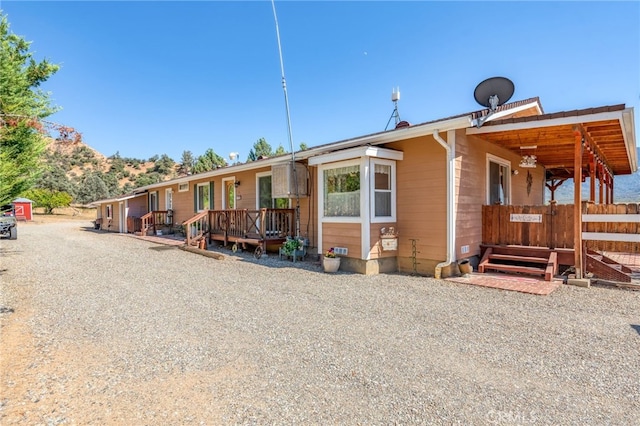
(293, 247)
(330, 262)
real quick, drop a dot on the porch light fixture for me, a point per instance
(528, 161)
(237, 183)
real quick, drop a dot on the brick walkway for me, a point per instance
(522, 284)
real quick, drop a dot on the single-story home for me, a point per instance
(409, 199)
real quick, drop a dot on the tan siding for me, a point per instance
(421, 202)
(376, 251)
(138, 206)
(342, 235)
(471, 167)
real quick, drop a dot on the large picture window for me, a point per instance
(342, 191)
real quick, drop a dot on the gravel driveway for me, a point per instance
(107, 329)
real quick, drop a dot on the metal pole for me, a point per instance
(286, 104)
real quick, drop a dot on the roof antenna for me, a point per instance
(294, 170)
(492, 93)
(395, 97)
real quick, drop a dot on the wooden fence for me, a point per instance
(537, 226)
(611, 227)
(606, 227)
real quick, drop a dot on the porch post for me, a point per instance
(577, 201)
(601, 181)
(610, 188)
(592, 178)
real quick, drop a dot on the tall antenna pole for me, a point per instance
(286, 104)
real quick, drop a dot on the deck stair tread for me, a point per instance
(515, 268)
(516, 258)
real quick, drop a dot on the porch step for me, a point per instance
(515, 263)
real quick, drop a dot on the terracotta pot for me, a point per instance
(465, 267)
(331, 264)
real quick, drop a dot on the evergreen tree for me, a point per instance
(208, 161)
(22, 106)
(280, 150)
(186, 163)
(260, 149)
(92, 188)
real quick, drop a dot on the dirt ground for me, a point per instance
(63, 214)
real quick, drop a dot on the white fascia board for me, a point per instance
(378, 138)
(627, 123)
(534, 124)
(391, 136)
(501, 114)
(361, 151)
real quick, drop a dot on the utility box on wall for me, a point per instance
(283, 180)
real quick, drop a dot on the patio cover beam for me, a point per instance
(577, 201)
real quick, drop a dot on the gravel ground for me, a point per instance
(106, 329)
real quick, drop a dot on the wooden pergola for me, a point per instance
(598, 143)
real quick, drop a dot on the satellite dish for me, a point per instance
(494, 92)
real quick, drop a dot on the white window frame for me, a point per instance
(109, 211)
(153, 194)
(168, 199)
(183, 187)
(198, 201)
(261, 175)
(502, 162)
(372, 188)
(330, 166)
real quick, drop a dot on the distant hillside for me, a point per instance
(626, 189)
(88, 175)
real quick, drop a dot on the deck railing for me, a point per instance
(261, 224)
(154, 219)
(605, 227)
(197, 227)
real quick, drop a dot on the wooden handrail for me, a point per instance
(154, 218)
(263, 223)
(196, 227)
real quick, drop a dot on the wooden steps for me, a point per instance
(511, 261)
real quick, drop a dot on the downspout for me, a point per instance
(450, 148)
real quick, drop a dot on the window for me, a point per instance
(383, 191)
(498, 181)
(265, 199)
(168, 199)
(109, 211)
(183, 187)
(203, 198)
(153, 201)
(342, 191)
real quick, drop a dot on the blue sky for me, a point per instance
(145, 78)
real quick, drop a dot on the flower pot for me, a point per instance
(331, 264)
(465, 267)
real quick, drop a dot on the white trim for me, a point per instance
(126, 215)
(365, 213)
(507, 112)
(534, 124)
(258, 176)
(109, 211)
(611, 218)
(362, 151)
(373, 139)
(150, 206)
(224, 193)
(197, 195)
(180, 187)
(121, 225)
(372, 191)
(608, 236)
(168, 191)
(503, 162)
(337, 219)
